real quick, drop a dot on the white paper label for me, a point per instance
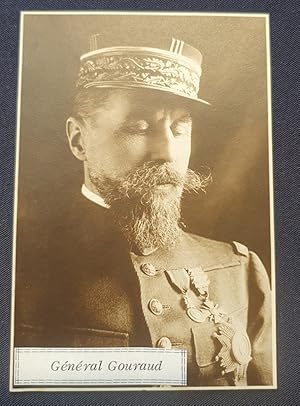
(99, 366)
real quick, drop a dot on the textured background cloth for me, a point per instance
(285, 67)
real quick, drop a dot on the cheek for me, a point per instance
(118, 155)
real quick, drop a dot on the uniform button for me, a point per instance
(148, 269)
(155, 307)
(164, 342)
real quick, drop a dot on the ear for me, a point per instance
(74, 130)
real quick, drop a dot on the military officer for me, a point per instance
(116, 268)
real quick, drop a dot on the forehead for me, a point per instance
(140, 102)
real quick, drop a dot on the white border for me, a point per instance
(128, 12)
(271, 198)
(17, 155)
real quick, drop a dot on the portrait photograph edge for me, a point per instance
(143, 165)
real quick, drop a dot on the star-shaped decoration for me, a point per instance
(235, 353)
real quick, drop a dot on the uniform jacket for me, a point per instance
(79, 285)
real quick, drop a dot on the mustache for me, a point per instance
(139, 184)
(152, 173)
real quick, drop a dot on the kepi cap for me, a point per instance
(176, 70)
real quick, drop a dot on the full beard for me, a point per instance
(146, 204)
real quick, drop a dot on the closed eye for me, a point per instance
(139, 127)
(182, 126)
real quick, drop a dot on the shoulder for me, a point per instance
(218, 255)
(215, 254)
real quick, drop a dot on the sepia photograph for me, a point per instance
(143, 223)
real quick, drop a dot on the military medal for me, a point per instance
(197, 315)
(183, 280)
(215, 314)
(208, 309)
(200, 281)
(235, 353)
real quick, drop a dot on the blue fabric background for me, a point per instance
(285, 21)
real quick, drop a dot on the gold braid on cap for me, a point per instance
(141, 67)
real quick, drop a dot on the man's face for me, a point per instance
(136, 149)
(135, 127)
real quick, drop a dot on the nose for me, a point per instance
(162, 144)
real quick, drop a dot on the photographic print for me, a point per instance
(143, 223)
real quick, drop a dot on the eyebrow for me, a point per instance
(185, 118)
(146, 115)
(130, 121)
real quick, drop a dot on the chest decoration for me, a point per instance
(234, 355)
(235, 352)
